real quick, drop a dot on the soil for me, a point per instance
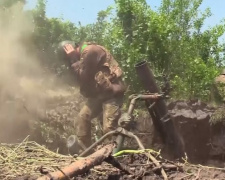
(204, 142)
(199, 126)
(141, 168)
(192, 121)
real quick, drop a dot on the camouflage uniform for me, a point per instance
(97, 70)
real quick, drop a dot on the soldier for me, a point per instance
(219, 88)
(100, 81)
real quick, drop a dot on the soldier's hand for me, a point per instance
(68, 48)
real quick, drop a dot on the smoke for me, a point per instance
(22, 85)
(14, 58)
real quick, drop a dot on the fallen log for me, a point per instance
(81, 166)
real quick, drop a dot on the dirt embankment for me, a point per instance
(200, 126)
(202, 129)
(192, 122)
(53, 124)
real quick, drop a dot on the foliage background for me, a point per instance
(171, 39)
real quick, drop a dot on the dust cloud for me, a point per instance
(23, 84)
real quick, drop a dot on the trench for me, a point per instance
(203, 137)
(200, 126)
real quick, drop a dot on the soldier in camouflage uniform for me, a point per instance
(100, 80)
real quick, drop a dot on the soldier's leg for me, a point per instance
(83, 123)
(111, 114)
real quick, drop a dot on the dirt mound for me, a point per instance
(192, 122)
(29, 160)
(200, 126)
(143, 169)
(52, 124)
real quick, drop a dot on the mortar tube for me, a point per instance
(162, 121)
(147, 79)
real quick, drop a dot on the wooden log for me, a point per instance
(81, 166)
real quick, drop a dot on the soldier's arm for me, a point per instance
(106, 85)
(117, 88)
(88, 62)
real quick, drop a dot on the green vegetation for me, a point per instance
(171, 39)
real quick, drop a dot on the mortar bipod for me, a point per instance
(124, 124)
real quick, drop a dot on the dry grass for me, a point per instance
(27, 158)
